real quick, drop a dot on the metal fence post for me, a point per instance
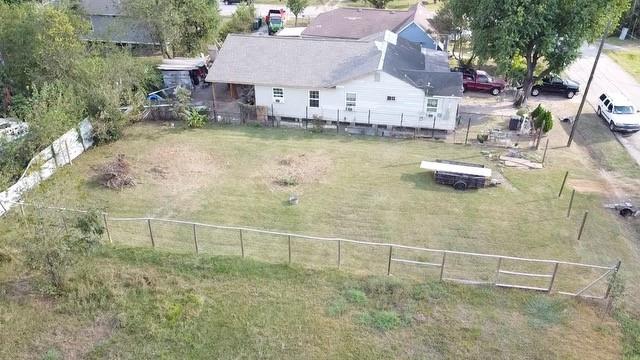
(4, 209)
(544, 154)
(306, 112)
(553, 277)
(573, 193)
(466, 138)
(613, 279)
(584, 220)
(498, 271)
(389, 263)
(289, 249)
(337, 121)
(153, 243)
(566, 174)
(241, 244)
(401, 119)
(195, 239)
(106, 227)
(339, 253)
(55, 157)
(369, 117)
(444, 258)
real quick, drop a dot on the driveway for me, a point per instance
(611, 77)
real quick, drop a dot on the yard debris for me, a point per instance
(294, 170)
(520, 163)
(625, 209)
(293, 199)
(116, 174)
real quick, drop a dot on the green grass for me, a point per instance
(359, 188)
(161, 305)
(629, 60)
(614, 40)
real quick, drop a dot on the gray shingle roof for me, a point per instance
(427, 71)
(356, 23)
(119, 29)
(295, 62)
(101, 7)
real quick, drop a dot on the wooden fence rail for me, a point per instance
(154, 233)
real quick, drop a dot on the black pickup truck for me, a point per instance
(556, 85)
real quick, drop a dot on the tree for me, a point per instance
(181, 27)
(379, 4)
(38, 44)
(296, 7)
(240, 22)
(547, 33)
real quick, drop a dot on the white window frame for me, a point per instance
(314, 98)
(350, 105)
(280, 97)
(432, 108)
(391, 98)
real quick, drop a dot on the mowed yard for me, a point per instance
(359, 188)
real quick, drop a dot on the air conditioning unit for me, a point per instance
(349, 108)
(278, 100)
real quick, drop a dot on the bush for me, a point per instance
(240, 22)
(542, 118)
(195, 119)
(337, 307)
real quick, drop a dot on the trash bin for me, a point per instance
(256, 24)
(515, 123)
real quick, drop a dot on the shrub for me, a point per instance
(542, 118)
(287, 181)
(195, 119)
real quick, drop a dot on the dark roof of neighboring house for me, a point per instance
(359, 23)
(119, 29)
(295, 62)
(423, 68)
(101, 7)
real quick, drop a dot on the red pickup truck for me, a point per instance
(479, 80)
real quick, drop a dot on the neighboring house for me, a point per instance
(361, 24)
(109, 24)
(389, 81)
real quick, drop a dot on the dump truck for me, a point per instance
(275, 20)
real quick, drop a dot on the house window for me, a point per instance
(391, 98)
(432, 105)
(278, 95)
(314, 98)
(350, 101)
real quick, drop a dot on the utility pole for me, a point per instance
(586, 90)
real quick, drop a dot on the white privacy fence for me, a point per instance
(61, 152)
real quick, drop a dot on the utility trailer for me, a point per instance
(460, 175)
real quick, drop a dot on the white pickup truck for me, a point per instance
(618, 112)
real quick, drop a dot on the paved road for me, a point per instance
(262, 9)
(611, 77)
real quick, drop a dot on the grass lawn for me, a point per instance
(359, 188)
(628, 60)
(394, 4)
(137, 303)
(140, 304)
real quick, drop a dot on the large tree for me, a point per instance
(548, 34)
(296, 7)
(181, 27)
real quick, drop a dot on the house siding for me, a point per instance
(372, 106)
(415, 34)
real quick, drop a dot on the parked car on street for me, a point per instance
(556, 85)
(479, 80)
(618, 112)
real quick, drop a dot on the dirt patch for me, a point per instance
(21, 291)
(77, 343)
(176, 167)
(589, 186)
(291, 171)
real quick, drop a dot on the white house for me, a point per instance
(389, 81)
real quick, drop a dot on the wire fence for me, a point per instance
(365, 257)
